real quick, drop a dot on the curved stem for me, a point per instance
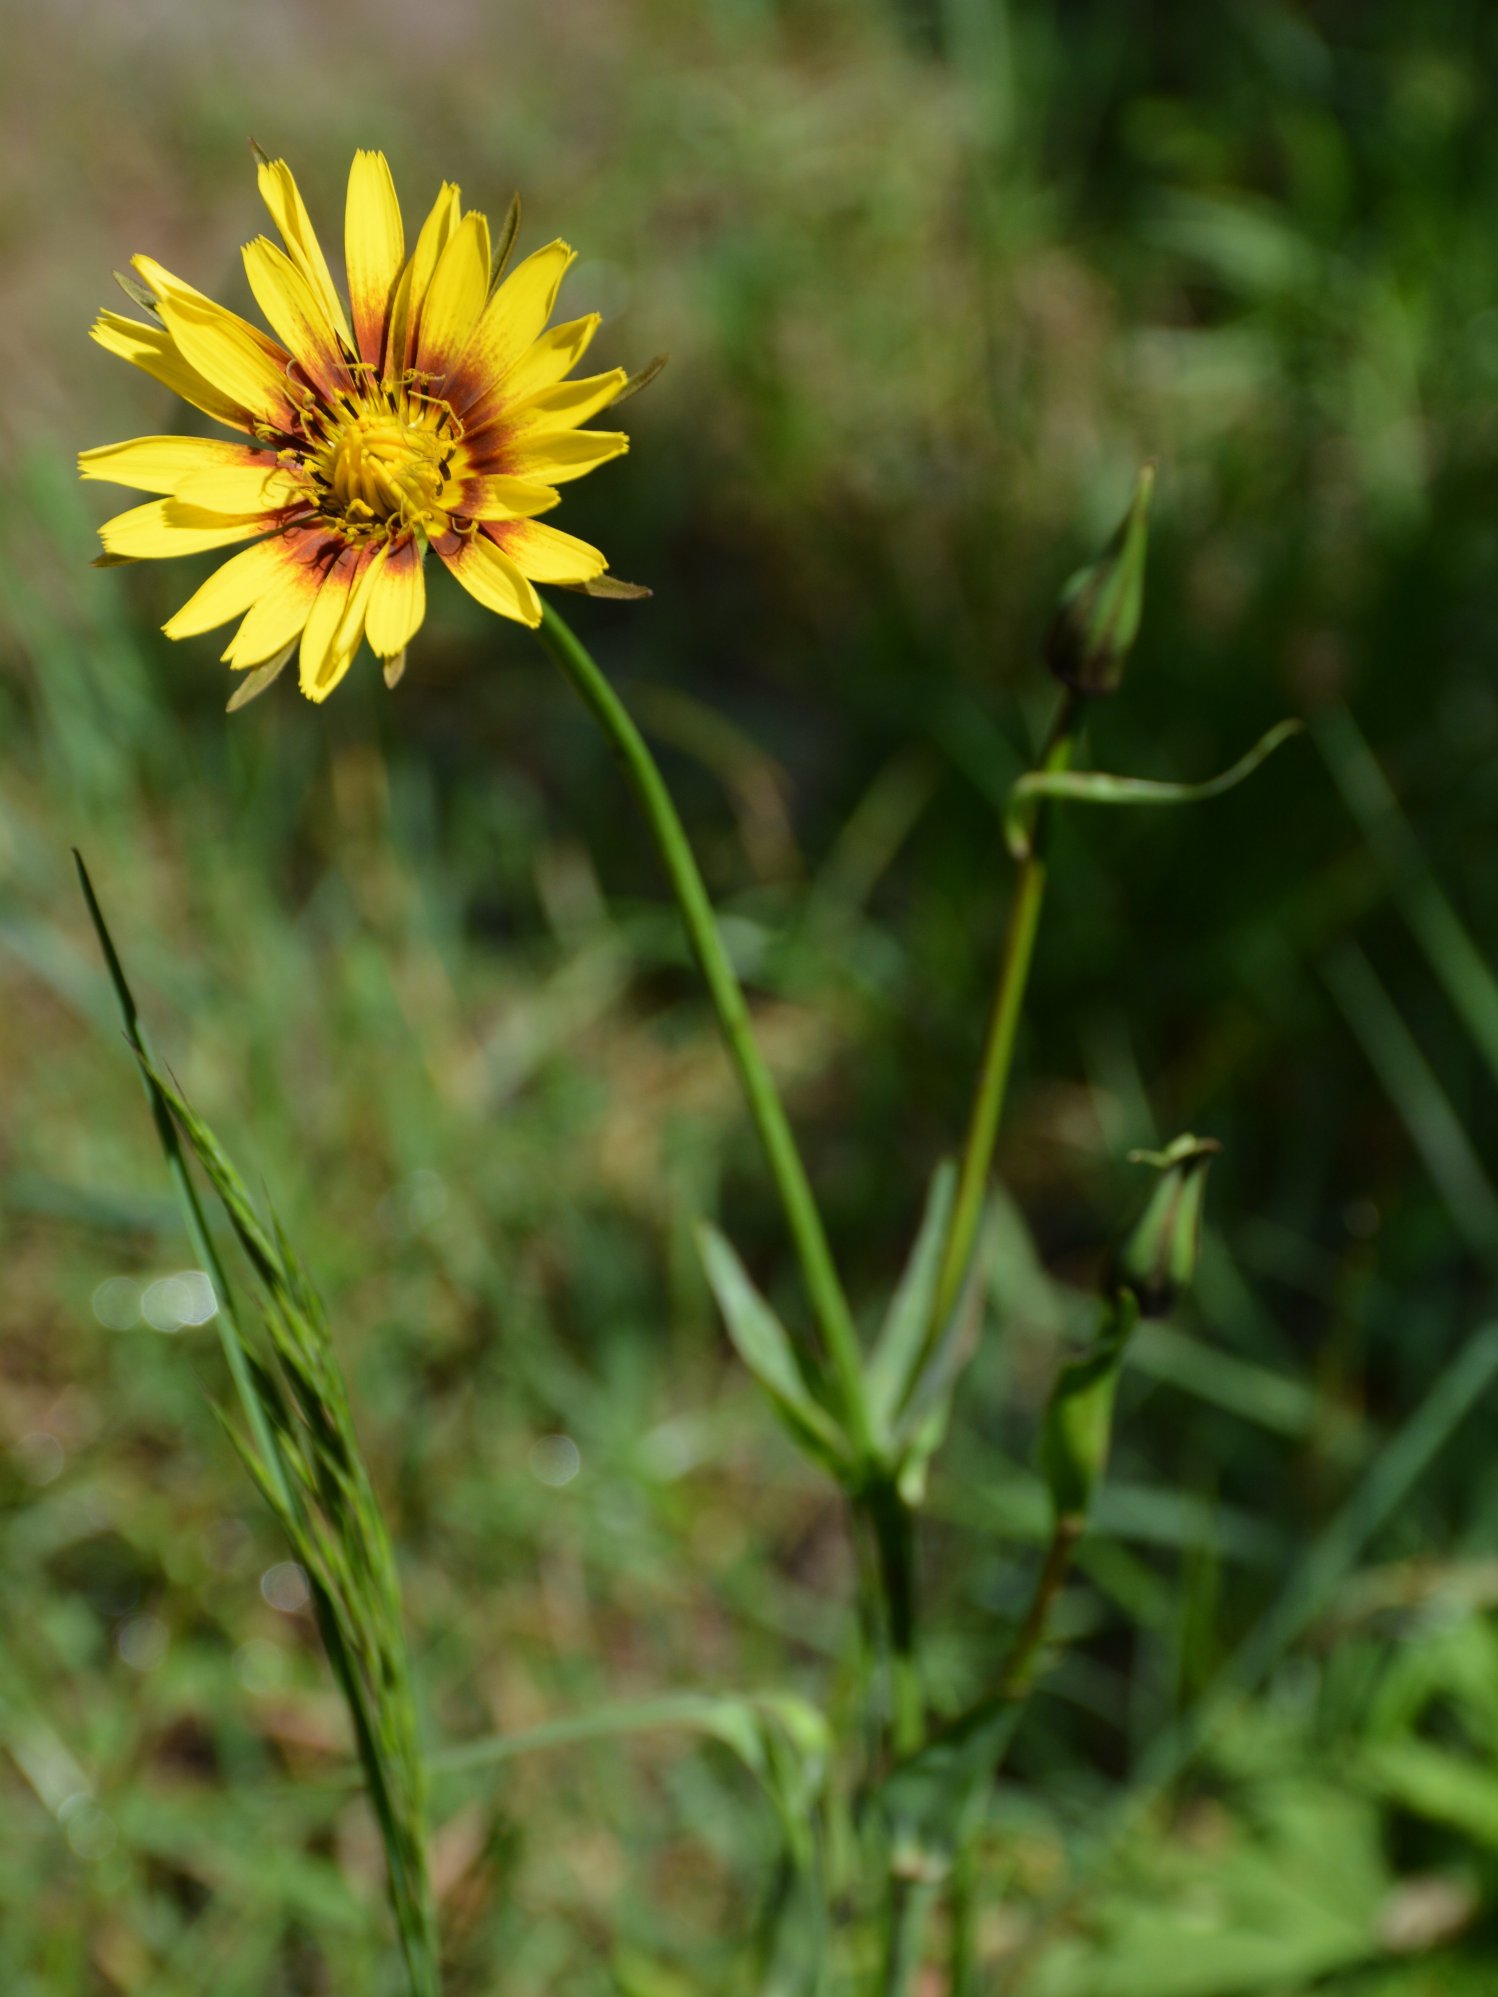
(823, 1287)
(1003, 1025)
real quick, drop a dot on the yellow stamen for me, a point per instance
(385, 467)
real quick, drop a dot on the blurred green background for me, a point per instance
(934, 275)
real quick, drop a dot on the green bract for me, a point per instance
(1097, 620)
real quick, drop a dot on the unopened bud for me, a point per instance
(1158, 1261)
(1097, 619)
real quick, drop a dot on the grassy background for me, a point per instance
(934, 277)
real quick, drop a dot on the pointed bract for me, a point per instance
(1097, 621)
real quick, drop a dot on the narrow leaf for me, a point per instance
(781, 1739)
(764, 1345)
(902, 1335)
(1463, 969)
(930, 1394)
(1095, 787)
(1429, 1115)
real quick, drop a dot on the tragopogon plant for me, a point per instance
(433, 412)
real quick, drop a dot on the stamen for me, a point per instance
(380, 462)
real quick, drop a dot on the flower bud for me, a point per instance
(1097, 619)
(1158, 1260)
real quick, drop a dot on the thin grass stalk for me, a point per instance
(1464, 972)
(910, 1911)
(230, 1339)
(304, 1456)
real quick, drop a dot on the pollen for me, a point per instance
(385, 469)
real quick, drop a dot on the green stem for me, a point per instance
(1017, 1679)
(904, 1949)
(912, 1900)
(961, 1895)
(1003, 1025)
(894, 1538)
(823, 1288)
(993, 1723)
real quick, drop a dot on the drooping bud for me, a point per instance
(1158, 1261)
(1097, 619)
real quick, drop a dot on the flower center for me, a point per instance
(383, 467)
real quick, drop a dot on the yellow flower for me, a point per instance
(434, 412)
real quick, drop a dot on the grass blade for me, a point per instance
(304, 1457)
(1425, 1108)
(1460, 967)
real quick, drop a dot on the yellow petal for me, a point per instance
(564, 407)
(283, 198)
(218, 345)
(405, 313)
(397, 602)
(374, 246)
(243, 489)
(164, 284)
(277, 618)
(547, 555)
(550, 359)
(554, 456)
(230, 590)
(159, 464)
(455, 297)
(500, 497)
(164, 527)
(488, 574)
(349, 632)
(323, 621)
(152, 349)
(514, 317)
(294, 310)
